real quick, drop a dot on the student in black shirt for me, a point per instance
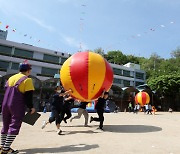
(100, 109)
(80, 111)
(68, 102)
(56, 108)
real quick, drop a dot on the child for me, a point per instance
(80, 111)
(100, 109)
(56, 108)
(68, 101)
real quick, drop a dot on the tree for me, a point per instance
(176, 53)
(116, 57)
(167, 87)
(132, 59)
(99, 51)
(166, 84)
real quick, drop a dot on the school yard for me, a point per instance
(124, 133)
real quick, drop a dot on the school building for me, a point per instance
(46, 63)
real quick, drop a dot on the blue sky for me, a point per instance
(136, 27)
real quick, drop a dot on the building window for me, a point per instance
(15, 66)
(117, 71)
(51, 58)
(63, 60)
(23, 53)
(49, 71)
(117, 81)
(5, 50)
(139, 83)
(126, 83)
(126, 73)
(4, 64)
(139, 75)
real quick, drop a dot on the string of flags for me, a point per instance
(150, 30)
(82, 23)
(26, 35)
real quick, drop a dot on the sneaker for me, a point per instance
(59, 132)
(91, 119)
(43, 125)
(100, 129)
(86, 125)
(65, 121)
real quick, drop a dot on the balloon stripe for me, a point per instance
(139, 98)
(147, 98)
(136, 100)
(79, 73)
(96, 74)
(143, 97)
(108, 79)
(66, 79)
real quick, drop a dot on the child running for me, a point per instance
(68, 102)
(80, 111)
(100, 109)
(56, 108)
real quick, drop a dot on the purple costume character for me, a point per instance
(13, 109)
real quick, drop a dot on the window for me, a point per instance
(5, 50)
(4, 64)
(23, 53)
(139, 75)
(126, 83)
(15, 66)
(49, 71)
(117, 81)
(117, 71)
(126, 73)
(63, 60)
(51, 58)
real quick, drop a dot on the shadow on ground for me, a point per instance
(131, 128)
(68, 148)
(75, 132)
(75, 126)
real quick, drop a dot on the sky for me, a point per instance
(135, 27)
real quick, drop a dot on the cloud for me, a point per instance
(39, 22)
(74, 43)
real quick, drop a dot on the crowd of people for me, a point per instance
(147, 108)
(61, 109)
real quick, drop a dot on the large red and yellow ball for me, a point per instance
(142, 98)
(87, 74)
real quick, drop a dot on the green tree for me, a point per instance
(133, 59)
(116, 57)
(99, 51)
(176, 53)
(151, 66)
(166, 84)
(168, 89)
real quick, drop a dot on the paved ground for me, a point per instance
(125, 133)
